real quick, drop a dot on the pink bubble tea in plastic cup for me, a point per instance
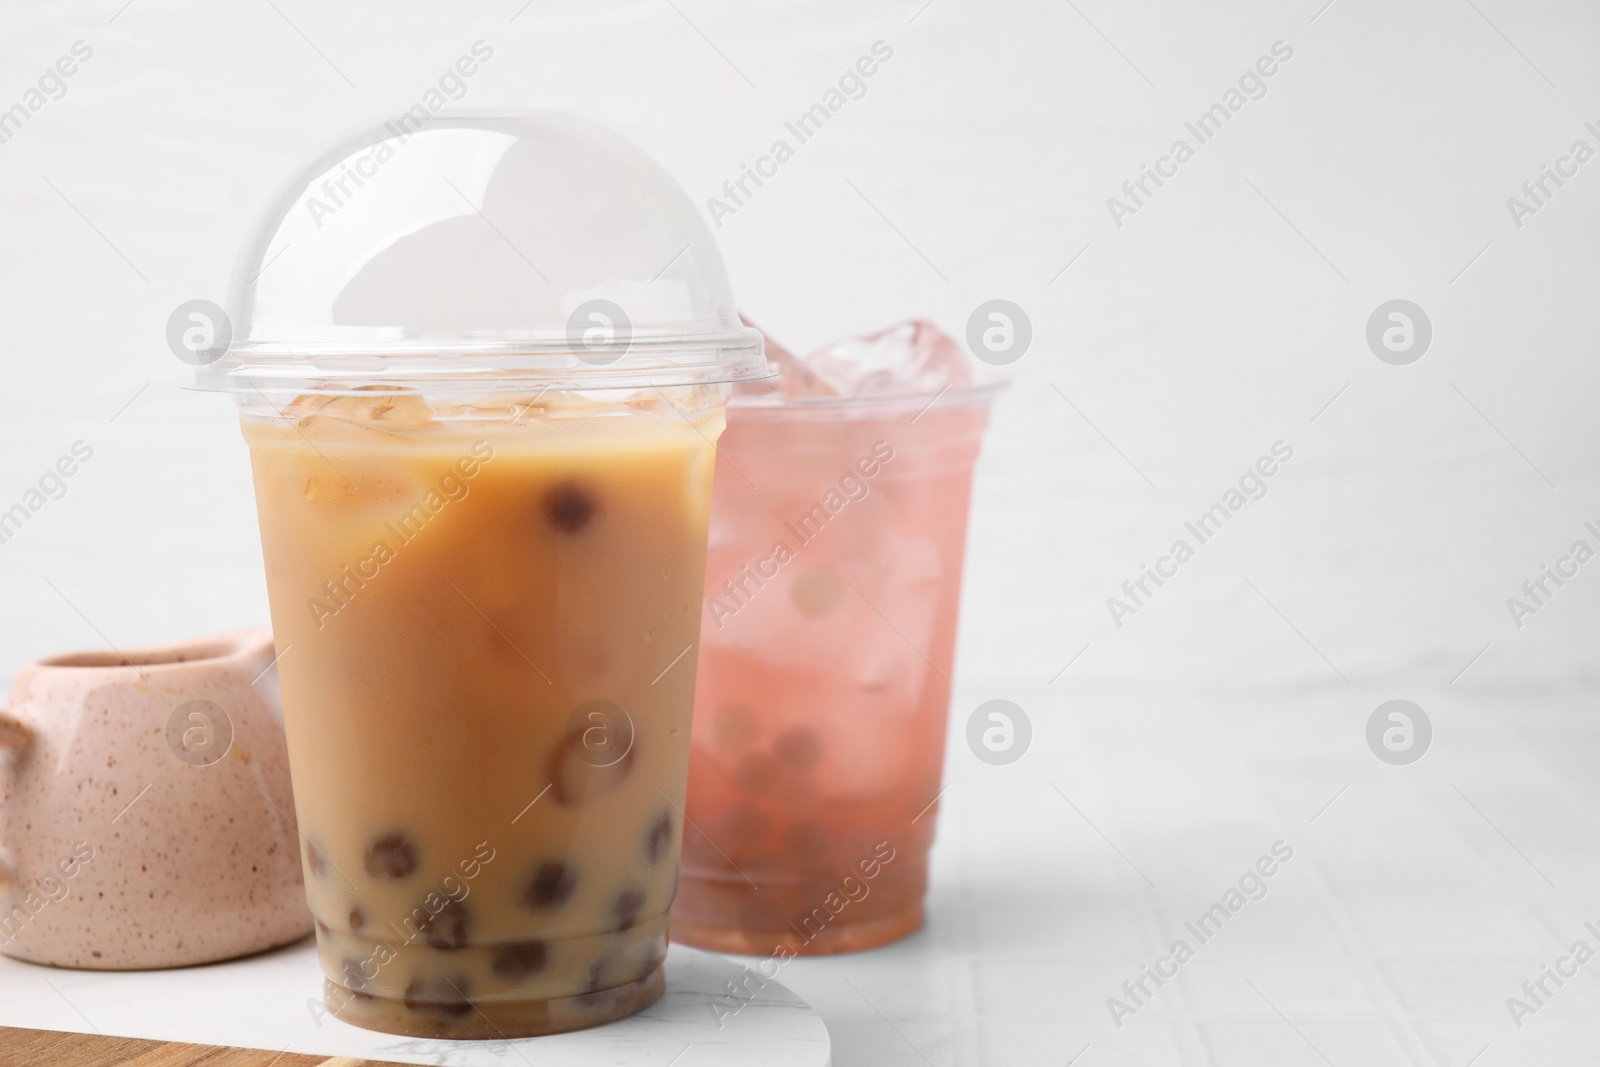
(838, 529)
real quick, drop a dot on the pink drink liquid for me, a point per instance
(832, 586)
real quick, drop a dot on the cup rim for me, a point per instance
(966, 396)
(210, 648)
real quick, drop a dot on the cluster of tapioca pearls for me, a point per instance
(777, 785)
(549, 886)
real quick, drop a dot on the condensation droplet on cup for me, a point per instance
(311, 489)
(647, 638)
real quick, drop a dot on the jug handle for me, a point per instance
(14, 737)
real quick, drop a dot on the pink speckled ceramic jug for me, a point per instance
(145, 812)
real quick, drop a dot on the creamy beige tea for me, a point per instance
(483, 614)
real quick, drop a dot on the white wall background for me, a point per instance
(1210, 325)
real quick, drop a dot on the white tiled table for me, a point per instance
(1414, 905)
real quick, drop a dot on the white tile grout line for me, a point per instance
(1512, 895)
(1365, 963)
(1490, 872)
(1344, 927)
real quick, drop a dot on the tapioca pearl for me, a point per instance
(755, 772)
(569, 507)
(551, 886)
(658, 839)
(517, 960)
(598, 1001)
(745, 822)
(357, 920)
(446, 997)
(447, 929)
(354, 979)
(630, 902)
(315, 863)
(809, 842)
(799, 748)
(653, 959)
(734, 727)
(394, 855)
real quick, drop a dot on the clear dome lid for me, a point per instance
(482, 252)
